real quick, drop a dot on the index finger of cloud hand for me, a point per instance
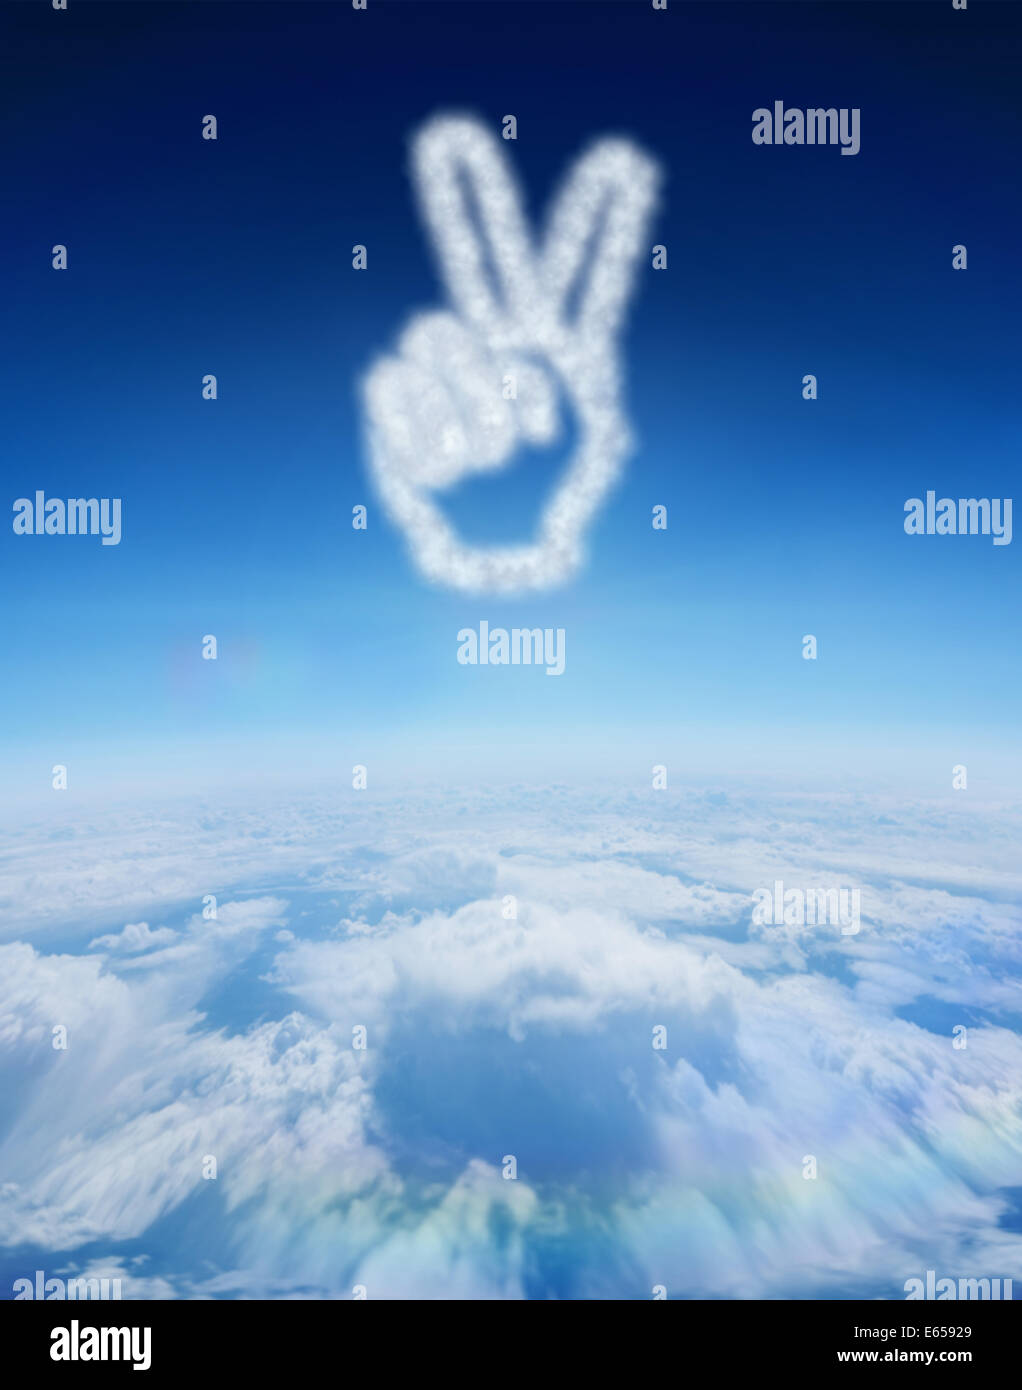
(454, 157)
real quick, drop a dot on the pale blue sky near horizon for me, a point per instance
(785, 516)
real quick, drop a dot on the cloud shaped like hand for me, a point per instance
(466, 387)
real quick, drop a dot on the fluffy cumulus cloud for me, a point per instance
(136, 936)
(490, 1047)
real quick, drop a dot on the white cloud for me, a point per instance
(532, 1037)
(436, 412)
(136, 936)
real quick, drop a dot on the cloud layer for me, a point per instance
(509, 973)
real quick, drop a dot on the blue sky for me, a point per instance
(495, 1033)
(785, 516)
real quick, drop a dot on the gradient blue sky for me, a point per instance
(491, 1034)
(188, 257)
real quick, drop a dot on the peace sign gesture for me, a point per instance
(540, 319)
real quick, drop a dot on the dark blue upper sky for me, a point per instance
(234, 257)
